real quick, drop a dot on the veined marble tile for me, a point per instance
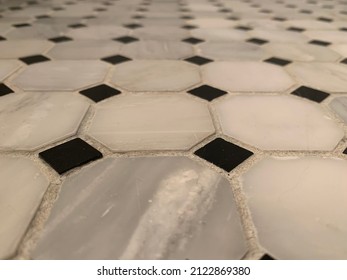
(7, 67)
(151, 121)
(120, 208)
(30, 121)
(156, 75)
(279, 35)
(84, 49)
(21, 48)
(325, 76)
(297, 205)
(219, 34)
(216, 22)
(340, 48)
(66, 75)
(278, 123)
(21, 190)
(97, 32)
(246, 76)
(166, 33)
(150, 49)
(37, 31)
(339, 105)
(301, 52)
(312, 24)
(234, 51)
(327, 35)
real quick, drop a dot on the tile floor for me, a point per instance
(173, 129)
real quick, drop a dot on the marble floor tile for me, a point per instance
(219, 34)
(166, 33)
(30, 121)
(156, 75)
(279, 36)
(7, 67)
(186, 206)
(340, 48)
(278, 123)
(20, 195)
(297, 206)
(97, 32)
(151, 121)
(327, 35)
(38, 31)
(61, 75)
(247, 76)
(21, 48)
(211, 22)
(339, 106)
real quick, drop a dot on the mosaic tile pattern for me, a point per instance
(216, 127)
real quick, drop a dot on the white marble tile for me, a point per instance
(211, 22)
(325, 76)
(233, 51)
(21, 48)
(246, 76)
(327, 35)
(219, 34)
(279, 36)
(151, 121)
(166, 33)
(311, 24)
(85, 49)
(278, 123)
(340, 48)
(156, 75)
(21, 190)
(301, 52)
(297, 206)
(339, 106)
(137, 201)
(7, 67)
(38, 31)
(97, 32)
(63, 75)
(152, 49)
(29, 121)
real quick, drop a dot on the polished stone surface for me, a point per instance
(339, 106)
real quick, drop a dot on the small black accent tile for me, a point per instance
(69, 155)
(89, 17)
(242, 27)
(2, 38)
(198, 60)
(58, 9)
(15, 8)
(100, 9)
(207, 92)
(4, 89)
(319, 43)
(126, 39)
(310, 93)
(21, 25)
(34, 59)
(142, 10)
(305, 11)
(277, 61)
(296, 29)
(267, 257)
(187, 17)
(343, 29)
(138, 17)
(233, 18)
(116, 59)
(193, 41)
(257, 41)
(32, 2)
(60, 39)
(189, 26)
(279, 19)
(77, 25)
(223, 154)
(265, 11)
(345, 151)
(344, 61)
(225, 10)
(100, 92)
(133, 25)
(42, 16)
(324, 19)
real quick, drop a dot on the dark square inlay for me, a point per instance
(310, 93)
(115, 59)
(305, 11)
(223, 154)
(42, 16)
(133, 25)
(242, 27)
(187, 17)
(21, 25)
(100, 92)
(4, 89)
(345, 151)
(77, 25)
(207, 92)
(324, 19)
(343, 29)
(266, 257)
(344, 61)
(34, 59)
(70, 155)
(192, 40)
(126, 39)
(296, 29)
(277, 61)
(257, 41)
(2, 38)
(319, 43)
(60, 39)
(198, 60)
(188, 26)
(279, 19)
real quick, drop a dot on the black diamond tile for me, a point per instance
(319, 43)
(277, 61)
(42, 16)
(223, 154)
(77, 25)
(233, 18)
(279, 18)
(257, 41)
(305, 11)
(207, 92)
(225, 10)
(324, 19)
(89, 17)
(310, 93)
(192, 40)
(343, 29)
(100, 9)
(100, 92)
(242, 27)
(126, 39)
(267, 257)
(70, 155)
(116, 59)
(21, 25)
(2, 38)
(265, 11)
(34, 59)
(344, 61)
(296, 29)
(58, 9)
(4, 89)
(198, 60)
(133, 25)
(32, 2)
(138, 17)
(15, 8)
(187, 17)
(60, 39)
(188, 26)
(345, 151)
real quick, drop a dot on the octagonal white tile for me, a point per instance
(120, 208)
(278, 35)
(21, 190)
(246, 76)
(166, 33)
(21, 48)
(30, 121)
(97, 32)
(62, 75)
(151, 122)
(327, 35)
(340, 48)
(325, 76)
(7, 67)
(212, 22)
(156, 75)
(339, 105)
(298, 206)
(278, 123)
(219, 34)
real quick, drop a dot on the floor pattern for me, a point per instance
(173, 129)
